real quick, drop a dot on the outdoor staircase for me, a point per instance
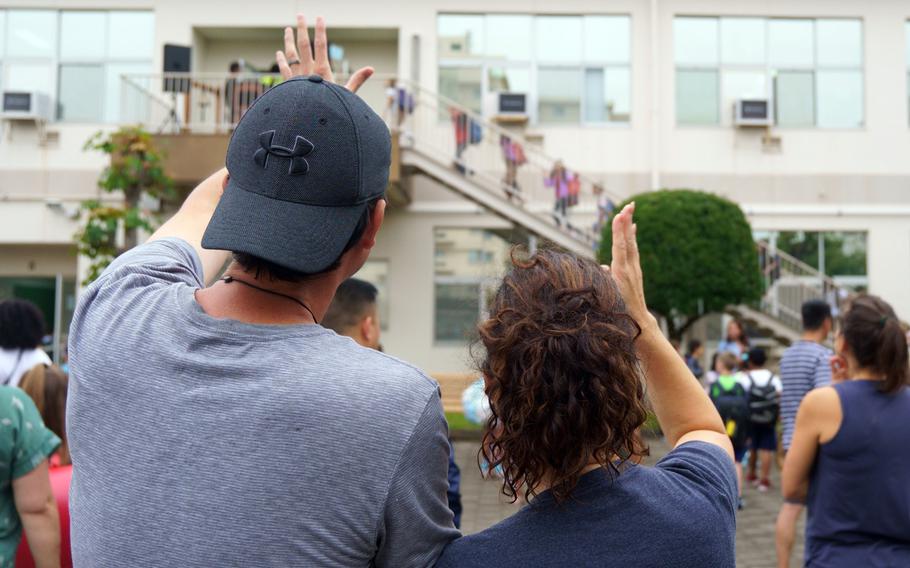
(788, 283)
(428, 146)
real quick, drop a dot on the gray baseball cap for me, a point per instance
(305, 161)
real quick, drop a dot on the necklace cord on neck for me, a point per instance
(229, 279)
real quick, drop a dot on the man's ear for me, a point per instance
(224, 182)
(366, 329)
(368, 241)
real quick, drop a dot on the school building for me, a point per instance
(798, 111)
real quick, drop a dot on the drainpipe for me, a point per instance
(655, 96)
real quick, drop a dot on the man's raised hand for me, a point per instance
(298, 59)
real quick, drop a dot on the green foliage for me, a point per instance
(697, 254)
(136, 169)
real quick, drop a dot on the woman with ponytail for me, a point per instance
(850, 455)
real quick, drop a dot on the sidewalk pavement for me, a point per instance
(484, 505)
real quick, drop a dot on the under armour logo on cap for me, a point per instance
(302, 147)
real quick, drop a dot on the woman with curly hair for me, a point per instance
(567, 346)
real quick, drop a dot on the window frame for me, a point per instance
(486, 278)
(58, 61)
(533, 65)
(771, 72)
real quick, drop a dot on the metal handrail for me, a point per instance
(789, 282)
(488, 124)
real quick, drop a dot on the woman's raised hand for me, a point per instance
(298, 59)
(626, 265)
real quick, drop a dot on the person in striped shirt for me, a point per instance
(805, 365)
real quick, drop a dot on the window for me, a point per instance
(508, 79)
(558, 95)
(462, 84)
(836, 253)
(83, 35)
(811, 68)
(80, 86)
(795, 100)
(583, 77)
(468, 265)
(459, 36)
(696, 96)
(76, 55)
(457, 310)
(568, 48)
(32, 33)
(742, 41)
(508, 37)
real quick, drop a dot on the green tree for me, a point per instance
(135, 169)
(697, 255)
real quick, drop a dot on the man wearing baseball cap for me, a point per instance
(221, 425)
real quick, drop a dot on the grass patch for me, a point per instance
(457, 421)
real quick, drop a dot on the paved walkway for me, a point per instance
(484, 505)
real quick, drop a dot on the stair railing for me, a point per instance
(789, 282)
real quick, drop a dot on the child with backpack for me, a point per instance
(730, 395)
(764, 408)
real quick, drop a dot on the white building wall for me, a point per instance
(820, 180)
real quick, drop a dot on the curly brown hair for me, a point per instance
(561, 373)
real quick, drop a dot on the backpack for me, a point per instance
(733, 406)
(764, 405)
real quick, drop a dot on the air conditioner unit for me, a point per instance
(506, 106)
(753, 112)
(26, 105)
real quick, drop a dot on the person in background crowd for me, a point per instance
(574, 189)
(271, 79)
(213, 422)
(605, 207)
(513, 155)
(694, 353)
(26, 500)
(467, 132)
(21, 333)
(764, 408)
(47, 387)
(736, 341)
(558, 179)
(803, 367)
(354, 313)
(713, 371)
(391, 114)
(849, 457)
(730, 395)
(231, 92)
(564, 347)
